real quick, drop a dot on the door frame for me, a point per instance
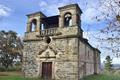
(40, 67)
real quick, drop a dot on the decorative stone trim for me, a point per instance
(67, 36)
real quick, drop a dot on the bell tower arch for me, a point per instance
(70, 15)
(70, 19)
(34, 21)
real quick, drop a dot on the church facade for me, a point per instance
(54, 47)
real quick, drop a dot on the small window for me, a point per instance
(68, 20)
(47, 40)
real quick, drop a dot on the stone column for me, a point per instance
(28, 27)
(61, 21)
(38, 26)
(74, 19)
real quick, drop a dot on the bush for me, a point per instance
(117, 73)
(16, 68)
(2, 69)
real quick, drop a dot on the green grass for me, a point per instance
(19, 76)
(15, 78)
(101, 77)
(12, 78)
(91, 77)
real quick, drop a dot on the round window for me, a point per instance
(48, 40)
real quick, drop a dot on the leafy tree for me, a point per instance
(108, 63)
(10, 48)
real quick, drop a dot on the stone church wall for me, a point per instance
(86, 59)
(66, 61)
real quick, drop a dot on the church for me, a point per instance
(54, 47)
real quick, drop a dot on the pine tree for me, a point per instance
(108, 63)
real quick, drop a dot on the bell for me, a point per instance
(67, 19)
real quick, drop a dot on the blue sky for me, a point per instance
(13, 13)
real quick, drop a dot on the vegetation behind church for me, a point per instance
(10, 51)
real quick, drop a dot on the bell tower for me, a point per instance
(70, 15)
(34, 22)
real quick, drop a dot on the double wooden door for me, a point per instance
(47, 70)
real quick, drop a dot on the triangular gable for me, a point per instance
(48, 52)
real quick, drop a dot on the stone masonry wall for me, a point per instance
(65, 65)
(86, 60)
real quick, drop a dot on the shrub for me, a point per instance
(16, 68)
(117, 73)
(2, 69)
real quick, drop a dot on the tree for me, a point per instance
(108, 63)
(10, 47)
(108, 12)
(112, 29)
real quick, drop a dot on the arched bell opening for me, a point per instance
(33, 25)
(67, 20)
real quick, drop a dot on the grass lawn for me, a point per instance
(13, 76)
(19, 76)
(101, 77)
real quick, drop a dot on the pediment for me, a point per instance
(48, 52)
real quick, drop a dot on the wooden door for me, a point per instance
(47, 70)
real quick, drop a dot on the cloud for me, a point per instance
(116, 61)
(90, 35)
(4, 11)
(86, 35)
(89, 15)
(51, 8)
(43, 4)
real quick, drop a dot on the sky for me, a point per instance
(13, 14)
